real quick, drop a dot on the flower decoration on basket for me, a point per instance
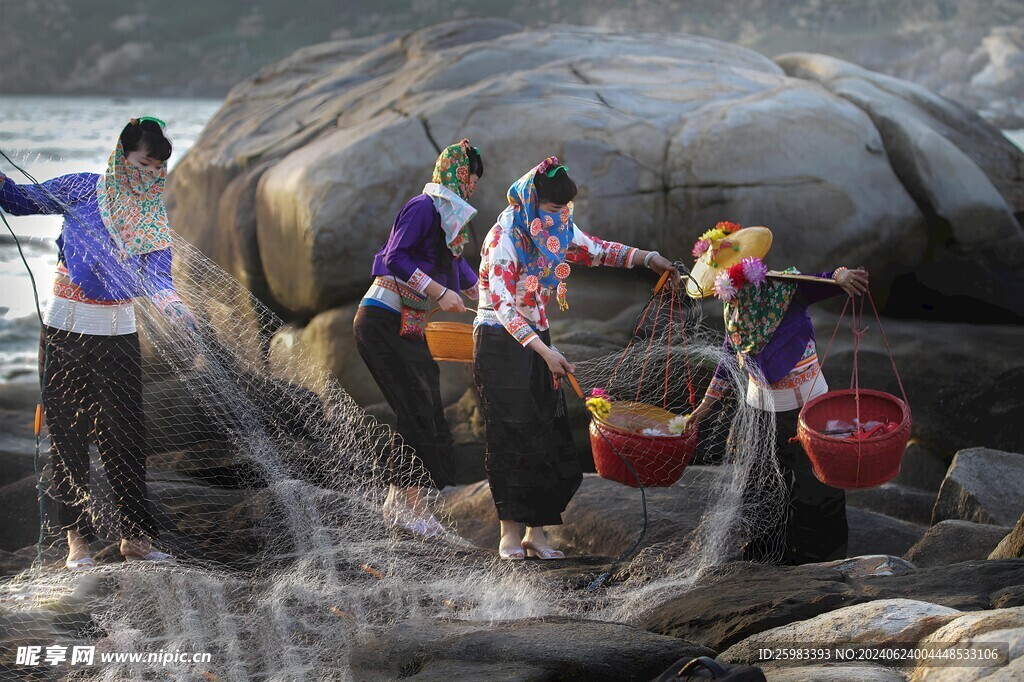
(719, 232)
(676, 424)
(599, 403)
(747, 271)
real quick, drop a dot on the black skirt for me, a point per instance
(532, 467)
(411, 383)
(814, 527)
(93, 388)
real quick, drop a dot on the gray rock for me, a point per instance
(872, 533)
(870, 565)
(921, 469)
(953, 540)
(604, 518)
(518, 650)
(906, 504)
(734, 601)
(979, 629)
(984, 486)
(19, 514)
(882, 622)
(833, 672)
(327, 342)
(1012, 545)
(961, 172)
(900, 108)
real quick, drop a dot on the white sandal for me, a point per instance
(79, 564)
(153, 555)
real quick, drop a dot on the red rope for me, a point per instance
(892, 360)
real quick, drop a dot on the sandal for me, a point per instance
(153, 555)
(516, 554)
(79, 564)
(545, 553)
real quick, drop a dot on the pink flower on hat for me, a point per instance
(701, 247)
(755, 271)
(724, 287)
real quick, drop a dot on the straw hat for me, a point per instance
(747, 242)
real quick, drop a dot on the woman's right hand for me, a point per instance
(451, 302)
(557, 363)
(693, 419)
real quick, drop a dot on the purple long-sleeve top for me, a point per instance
(412, 250)
(788, 342)
(85, 246)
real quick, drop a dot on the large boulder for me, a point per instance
(897, 501)
(518, 650)
(300, 354)
(334, 140)
(962, 173)
(921, 469)
(953, 540)
(978, 629)
(984, 486)
(1012, 545)
(735, 601)
(873, 533)
(899, 109)
(883, 622)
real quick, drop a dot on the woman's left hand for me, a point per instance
(181, 315)
(853, 282)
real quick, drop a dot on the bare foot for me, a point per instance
(537, 545)
(79, 554)
(511, 546)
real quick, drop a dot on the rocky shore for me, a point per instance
(294, 184)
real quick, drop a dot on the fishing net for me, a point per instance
(265, 480)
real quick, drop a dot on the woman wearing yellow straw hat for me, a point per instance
(770, 332)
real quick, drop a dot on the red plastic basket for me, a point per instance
(659, 461)
(847, 463)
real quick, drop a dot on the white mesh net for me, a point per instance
(265, 481)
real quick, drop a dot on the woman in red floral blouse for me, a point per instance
(532, 467)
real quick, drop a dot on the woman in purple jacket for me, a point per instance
(115, 246)
(770, 332)
(421, 259)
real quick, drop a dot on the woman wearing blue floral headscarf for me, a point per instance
(532, 468)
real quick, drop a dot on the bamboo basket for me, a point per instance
(449, 341)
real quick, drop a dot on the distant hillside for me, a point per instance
(970, 50)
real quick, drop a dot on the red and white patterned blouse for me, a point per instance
(518, 304)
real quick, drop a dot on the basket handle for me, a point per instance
(575, 385)
(468, 310)
(855, 380)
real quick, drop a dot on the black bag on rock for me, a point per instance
(704, 668)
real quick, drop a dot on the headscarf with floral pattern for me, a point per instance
(131, 204)
(452, 171)
(540, 240)
(754, 314)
